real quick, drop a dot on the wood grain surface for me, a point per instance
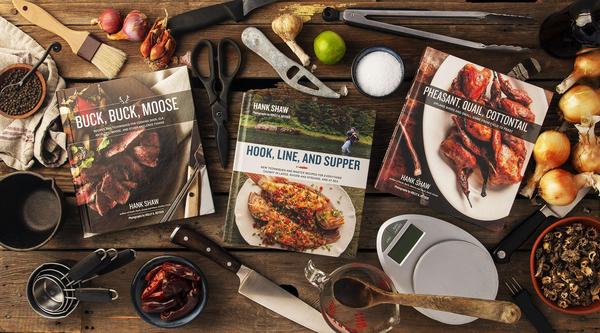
(227, 311)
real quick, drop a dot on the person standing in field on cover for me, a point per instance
(351, 137)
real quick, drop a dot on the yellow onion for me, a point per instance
(551, 150)
(559, 187)
(586, 154)
(579, 102)
(587, 65)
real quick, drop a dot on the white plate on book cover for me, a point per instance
(437, 123)
(338, 196)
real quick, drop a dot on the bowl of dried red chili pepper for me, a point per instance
(169, 291)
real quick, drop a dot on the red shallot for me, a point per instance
(559, 187)
(551, 150)
(586, 154)
(135, 27)
(109, 21)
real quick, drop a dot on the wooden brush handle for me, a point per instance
(500, 311)
(42, 19)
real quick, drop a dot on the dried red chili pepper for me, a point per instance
(157, 307)
(174, 285)
(181, 271)
(150, 275)
(191, 301)
(158, 296)
(153, 285)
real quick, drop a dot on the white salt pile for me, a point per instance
(379, 73)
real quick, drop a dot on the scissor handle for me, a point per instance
(224, 77)
(207, 81)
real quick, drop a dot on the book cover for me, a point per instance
(299, 175)
(463, 139)
(135, 152)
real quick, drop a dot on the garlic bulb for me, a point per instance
(288, 26)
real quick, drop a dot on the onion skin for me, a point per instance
(551, 150)
(135, 27)
(586, 154)
(587, 65)
(579, 102)
(557, 187)
(109, 21)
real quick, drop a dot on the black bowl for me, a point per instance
(139, 283)
(32, 208)
(367, 51)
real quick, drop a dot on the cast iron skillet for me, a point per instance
(31, 208)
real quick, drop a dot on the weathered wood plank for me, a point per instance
(226, 310)
(378, 208)
(86, 10)
(74, 68)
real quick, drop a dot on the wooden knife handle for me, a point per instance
(193, 240)
(500, 311)
(38, 16)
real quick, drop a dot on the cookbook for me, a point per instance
(133, 146)
(299, 175)
(463, 139)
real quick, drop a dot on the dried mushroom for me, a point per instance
(567, 266)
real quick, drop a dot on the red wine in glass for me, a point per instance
(565, 33)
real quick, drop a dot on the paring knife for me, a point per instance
(192, 198)
(204, 17)
(521, 233)
(183, 192)
(253, 285)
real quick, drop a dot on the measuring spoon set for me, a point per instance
(55, 289)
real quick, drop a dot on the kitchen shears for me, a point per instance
(218, 93)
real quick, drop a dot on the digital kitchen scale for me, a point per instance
(425, 255)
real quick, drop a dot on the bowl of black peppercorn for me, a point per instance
(21, 102)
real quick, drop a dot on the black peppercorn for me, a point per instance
(17, 100)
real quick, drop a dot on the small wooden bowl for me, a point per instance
(39, 77)
(577, 310)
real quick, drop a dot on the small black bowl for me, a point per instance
(32, 210)
(367, 51)
(139, 283)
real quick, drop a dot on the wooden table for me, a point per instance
(227, 311)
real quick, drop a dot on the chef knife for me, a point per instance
(253, 285)
(204, 17)
(521, 233)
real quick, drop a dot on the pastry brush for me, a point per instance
(108, 59)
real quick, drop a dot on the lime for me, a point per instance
(329, 47)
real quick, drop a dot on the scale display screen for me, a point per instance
(405, 244)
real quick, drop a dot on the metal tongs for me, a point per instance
(363, 18)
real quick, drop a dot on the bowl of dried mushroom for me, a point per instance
(565, 265)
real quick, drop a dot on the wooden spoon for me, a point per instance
(355, 293)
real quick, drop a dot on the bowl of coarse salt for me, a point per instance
(377, 71)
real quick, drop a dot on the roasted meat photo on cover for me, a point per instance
(108, 170)
(471, 146)
(293, 215)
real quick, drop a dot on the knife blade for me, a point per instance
(204, 17)
(523, 230)
(252, 284)
(192, 198)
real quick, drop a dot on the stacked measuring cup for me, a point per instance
(55, 289)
